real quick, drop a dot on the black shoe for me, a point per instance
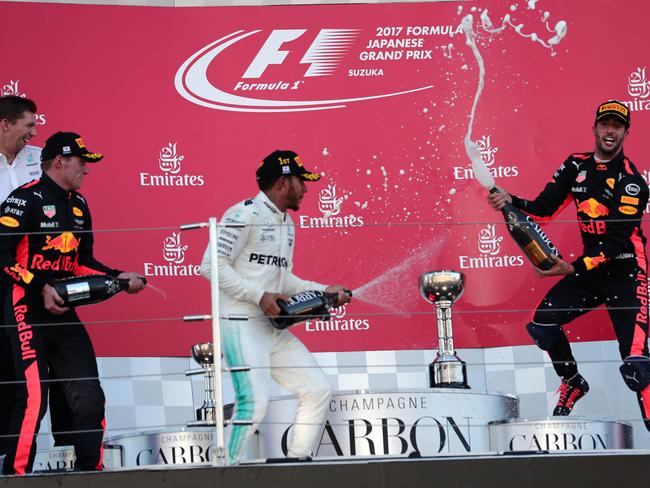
(571, 391)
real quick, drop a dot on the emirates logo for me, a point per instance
(330, 200)
(637, 84)
(488, 241)
(173, 251)
(638, 87)
(328, 203)
(169, 163)
(173, 254)
(338, 323)
(486, 150)
(489, 248)
(11, 88)
(338, 312)
(169, 160)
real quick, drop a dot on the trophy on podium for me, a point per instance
(203, 354)
(441, 289)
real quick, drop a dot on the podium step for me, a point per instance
(559, 434)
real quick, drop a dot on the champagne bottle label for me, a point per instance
(304, 306)
(535, 252)
(512, 220)
(303, 297)
(530, 237)
(78, 291)
(114, 286)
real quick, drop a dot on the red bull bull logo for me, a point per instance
(64, 243)
(19, 273)
(594, 261)
(593, 208)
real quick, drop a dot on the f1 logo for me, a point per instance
(323, 55)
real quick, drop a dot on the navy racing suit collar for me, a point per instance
(614, 162)
(55, 188)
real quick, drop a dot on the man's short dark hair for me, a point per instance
(47, 164)
(267, 183)
(13, 107)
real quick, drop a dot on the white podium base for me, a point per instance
(560, 434)
(429, 421)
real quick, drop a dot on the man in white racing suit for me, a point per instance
(255, 270)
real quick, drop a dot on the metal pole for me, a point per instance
(220, 457)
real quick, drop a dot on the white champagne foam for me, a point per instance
(481, 171)
(390, 291)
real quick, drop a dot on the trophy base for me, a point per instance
(448, 371)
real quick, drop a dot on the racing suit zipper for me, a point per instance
(68, 212)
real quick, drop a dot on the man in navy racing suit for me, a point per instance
(46, 234)
(610, 196)
(255, 261)
(20, 163)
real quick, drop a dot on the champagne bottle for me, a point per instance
(532, 240)
(304, 306)
(84, 290)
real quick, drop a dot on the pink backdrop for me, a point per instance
(128, 79)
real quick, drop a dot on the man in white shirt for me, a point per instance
(19, 164)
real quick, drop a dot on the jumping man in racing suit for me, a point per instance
(255, 270)
(45, 234)
(610, 196)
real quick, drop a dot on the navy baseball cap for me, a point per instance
(284, 163)
(68, 144)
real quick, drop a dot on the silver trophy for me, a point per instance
(442, 289)
(203, 354)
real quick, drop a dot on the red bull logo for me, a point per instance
(593, 208)
(594, 261)
(19, 273)
(63, 243)
(642, 316)
(593, 226)
(63, 263)
(25, 333)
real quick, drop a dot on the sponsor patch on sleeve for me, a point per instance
(627, 210)
(9, 221)
(21, 273)
(629, 200)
